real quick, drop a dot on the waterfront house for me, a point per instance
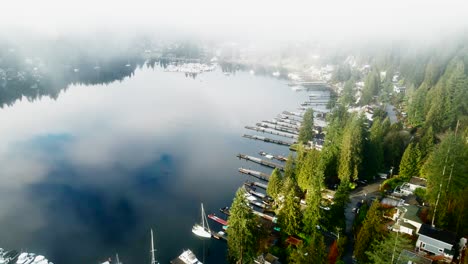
(436, 242)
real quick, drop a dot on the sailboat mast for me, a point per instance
(202, 214)
(153, 259)
(117, 258)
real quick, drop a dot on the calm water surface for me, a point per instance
(87, 175)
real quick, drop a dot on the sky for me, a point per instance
(248, 18)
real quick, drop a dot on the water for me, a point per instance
(87, 175)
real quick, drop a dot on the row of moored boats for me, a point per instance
(15, 257)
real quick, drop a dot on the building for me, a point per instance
(437, 242)
(407, 219)
(408, 188)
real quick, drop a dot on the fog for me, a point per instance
(247, 20)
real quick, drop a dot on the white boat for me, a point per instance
(202, 230)
(276, 73)
(39, 258)
(187, 257)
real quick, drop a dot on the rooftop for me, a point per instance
(406, 256)
(411, 213)
(441, 235)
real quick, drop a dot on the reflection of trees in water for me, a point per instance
(33, 80)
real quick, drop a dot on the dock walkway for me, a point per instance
(273, 132)
(256, 174)
(261, 161)
(269, 140)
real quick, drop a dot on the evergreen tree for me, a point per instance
(371, 87)
(347, 97)
(301, 155)
(290, 215)
(275, 183)
(409, 165)
(289, 169)
(352, 149)
(446, 171)
(383, 251)
(312, 211)
(309, 169)
(242, 242)
(306, 132)
(368, 232)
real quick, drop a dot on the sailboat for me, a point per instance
(153, 258)
(202, 230)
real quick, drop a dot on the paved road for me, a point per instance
(357, 195)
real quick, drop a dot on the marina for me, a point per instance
(269, 140)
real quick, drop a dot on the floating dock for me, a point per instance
(256, 174)
(271, 156)
(217, 219)
(269, 131)
(260, 161)
(282, 124)
(257, 184)
(225, 210)
(291, 117)
(290, 131)
(300, 115)
(219, 235)
(288, 121)
(269, 140)
(308, 103)
(265, 216)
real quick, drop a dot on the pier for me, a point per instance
(288, 121)
(282, 124)
(265, 216)
(268, 131)
(257, 184)
(219, 235)
(257, 174)
(269, 140)
(300, 115)
(260, 161)
(271, 156)
(293, 131)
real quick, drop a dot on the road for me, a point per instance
(358, 195)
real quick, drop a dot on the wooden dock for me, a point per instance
(261, 161)
(256, 184)
(292, 131)
(219, 235)
(282, 124)
(300, 115)
(269, 140)
(265, 216)
(272, 156)
(257, 174)
(273, 132)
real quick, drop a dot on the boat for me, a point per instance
(153, 258)
(187, 257)
(217, 219)
(225, 210)
(202, 230)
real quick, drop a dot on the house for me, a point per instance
(399, 89)
(408, 188)
(392, 201)
(437, 242)
(408, 257)
(407, 219)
